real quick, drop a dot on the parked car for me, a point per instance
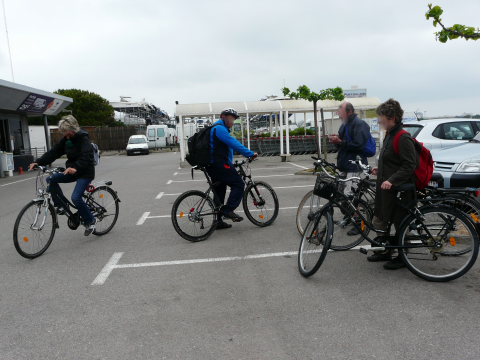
(459, 164)
(137, 144)
(441, 133)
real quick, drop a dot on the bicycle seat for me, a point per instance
(404, 187)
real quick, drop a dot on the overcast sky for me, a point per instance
(213, 51)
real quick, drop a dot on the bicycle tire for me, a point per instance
(337, 229)
(101, 200)
(175, 212)
(423, 261)
(17, 227)
(309, 238)
(262, 209)
(302, 215)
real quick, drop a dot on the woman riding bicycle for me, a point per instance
(80, 168)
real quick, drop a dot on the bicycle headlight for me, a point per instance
(472, 165)
(40, 191)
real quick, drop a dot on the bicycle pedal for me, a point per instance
(363, 251)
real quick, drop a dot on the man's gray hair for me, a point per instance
(68, 123)
(348, 107)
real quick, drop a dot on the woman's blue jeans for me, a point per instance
(77, 200)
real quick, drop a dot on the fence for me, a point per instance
(35, 152)
(299, 145)
(107, 138)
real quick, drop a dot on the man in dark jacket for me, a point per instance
(351, 140)
(80, 168)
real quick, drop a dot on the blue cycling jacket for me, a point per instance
(222, 144)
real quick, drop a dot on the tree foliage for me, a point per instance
(453, 32)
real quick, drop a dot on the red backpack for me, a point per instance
(423, 173)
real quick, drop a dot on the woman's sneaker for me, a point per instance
(60, 210)
(89, 228)
(232, 216)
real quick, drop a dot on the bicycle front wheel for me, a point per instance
(451, 231)
(315, 243)
(34, 229)
(260, 203)
(193, 216)
(310, 204)
(104, 205)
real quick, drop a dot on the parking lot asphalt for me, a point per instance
(253, 306)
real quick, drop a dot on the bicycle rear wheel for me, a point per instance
(451, 230)
(104, 205)
(315, 243)
(34, 229)
(310, 204)
(193, 216)
(260, 204)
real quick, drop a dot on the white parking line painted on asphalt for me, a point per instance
(174, 153)
(303, 167)
(159, 196)
(175, 174)
(169, 182)
(143, 218)
(112, 264)
(295, 186)
(261, 176)
(18, 181)
(107, 269)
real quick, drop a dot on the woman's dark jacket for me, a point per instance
(397, 169)
(79, 151)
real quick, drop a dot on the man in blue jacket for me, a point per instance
(351, 140)
(221, 168)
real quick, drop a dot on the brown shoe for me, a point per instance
(380, 256)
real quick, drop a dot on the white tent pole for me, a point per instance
(287, 134)
(270, 124)
(241, 128)
(276, 125)
(305, 122)
(319, 135)
(181, 139)
(248, 132)
(281, 132)
(333, 130)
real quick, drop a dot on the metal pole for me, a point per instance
(248, 132)
(305, 123)
(47, 131)
(319, 135)
(287, 134)
(281, 132)
(241, 128)
(181, 139)
(270, 124)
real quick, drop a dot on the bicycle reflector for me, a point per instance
(476, 193)
(474, 217)
(181, 214)
(260, 216)
(452, 241)
(90, 188)
(25, 239)
(109, 182)
(362, 225)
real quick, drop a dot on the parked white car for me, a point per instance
(441, 133)
(137, 144)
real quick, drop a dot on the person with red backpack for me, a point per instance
(397, 163)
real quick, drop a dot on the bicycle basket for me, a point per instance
(325, 186)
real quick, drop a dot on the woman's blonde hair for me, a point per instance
(68, 123)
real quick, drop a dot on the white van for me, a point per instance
(171, 137)
(157, 136)
(189, 129)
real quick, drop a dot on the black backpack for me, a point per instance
(199, 148)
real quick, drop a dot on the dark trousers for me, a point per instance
(77, 200)
(227, 176)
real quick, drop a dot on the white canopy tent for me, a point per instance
(280, 107)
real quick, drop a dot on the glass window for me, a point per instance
(413, 129)
(438, 132)
(458, 131)
(160, 132)
(151, 132)
(137, 141)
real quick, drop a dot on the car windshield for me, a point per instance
(413, 129)
(136, 141)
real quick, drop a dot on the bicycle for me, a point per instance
(425, 234)
(195, 214)
(37, 222)
(364, 198)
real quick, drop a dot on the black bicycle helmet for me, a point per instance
(230, 111)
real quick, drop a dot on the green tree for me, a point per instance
(88, 108)
(303, 92)
(453, 32)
